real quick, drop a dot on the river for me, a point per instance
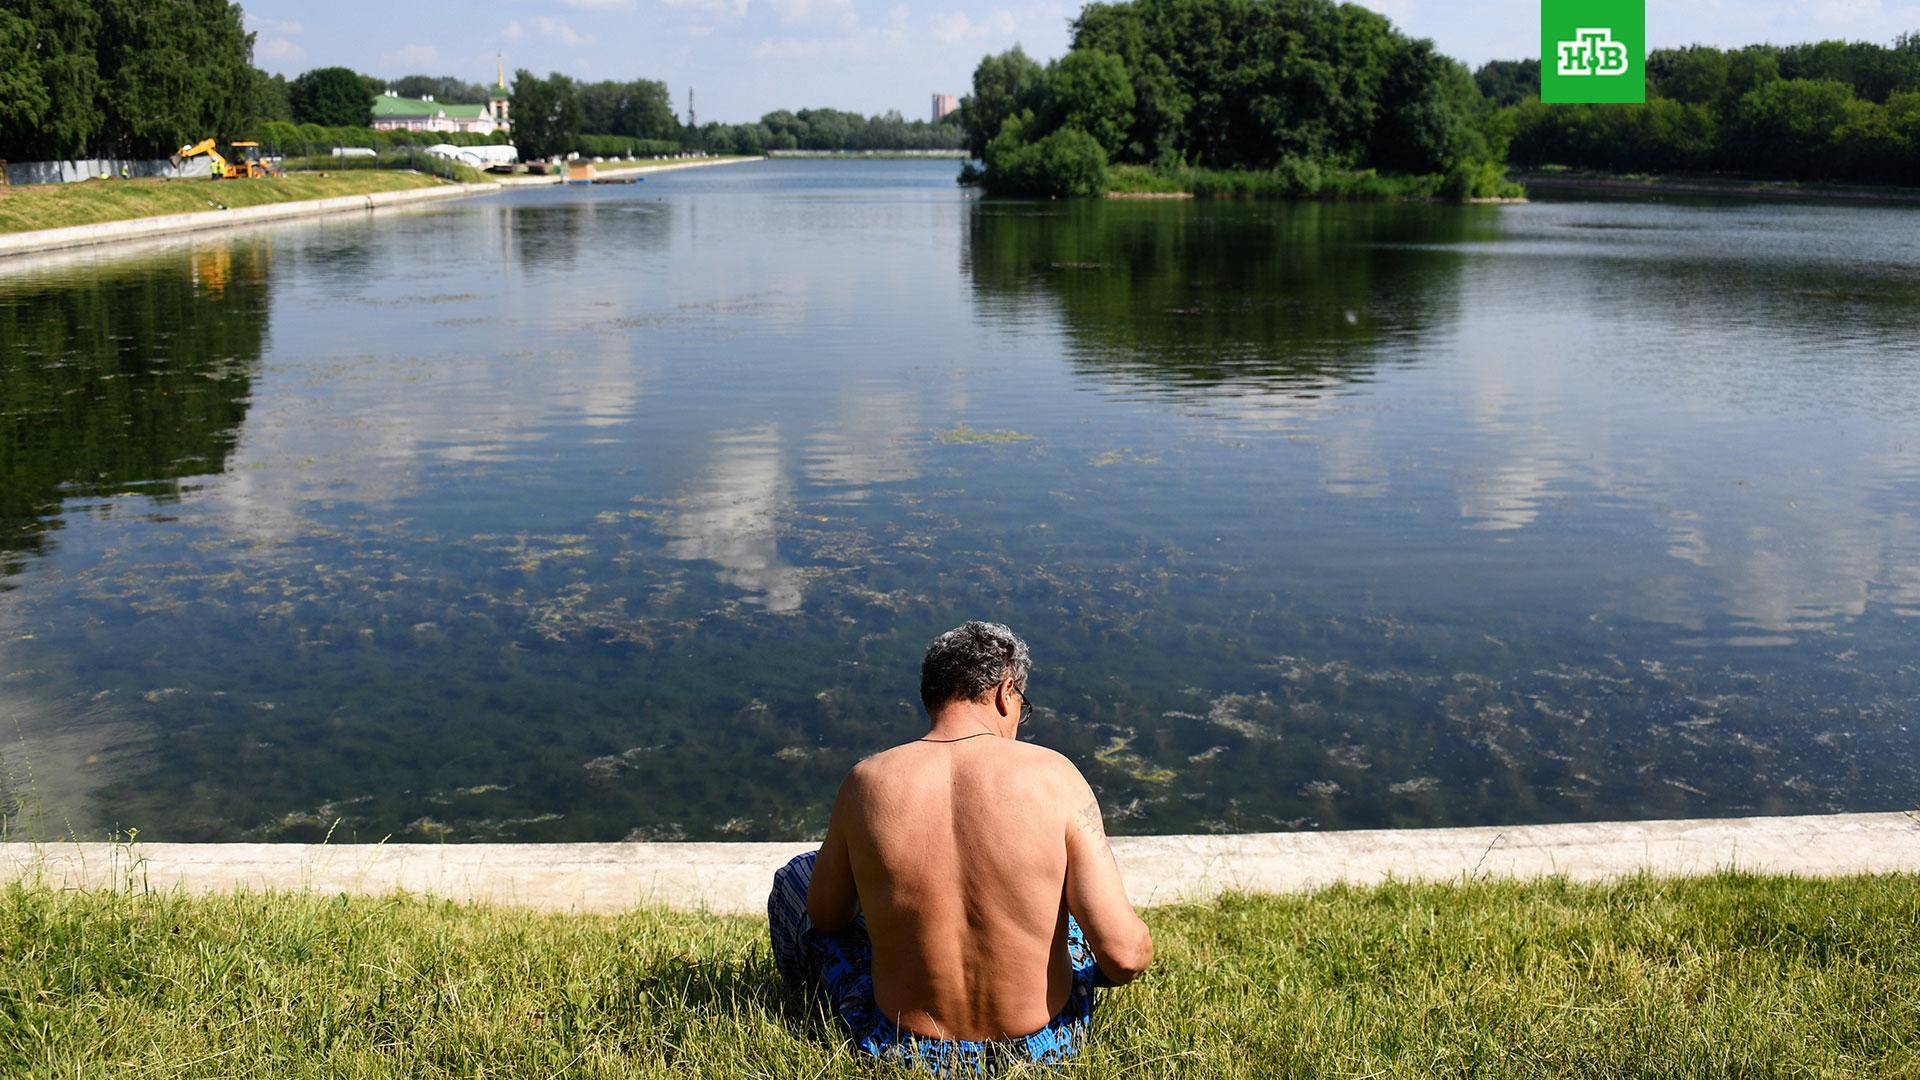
(625, 512)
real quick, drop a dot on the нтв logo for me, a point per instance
(1593, 50)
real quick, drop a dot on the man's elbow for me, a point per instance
(1124, 960)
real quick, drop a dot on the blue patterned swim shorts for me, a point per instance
(841, 964)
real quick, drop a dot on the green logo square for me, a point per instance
(1593, 50)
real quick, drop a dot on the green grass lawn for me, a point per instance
(1726, 976)
(52, 206)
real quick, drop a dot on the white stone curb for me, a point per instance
(108, 232)
(1159, 869)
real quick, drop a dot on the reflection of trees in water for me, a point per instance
(126, 380)
(1247, 296)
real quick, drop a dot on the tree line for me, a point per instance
(1829, 110)
(832, 129)
(121, 78)
(1226, 84)
(135, 78)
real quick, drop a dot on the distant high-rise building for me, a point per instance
(944, 104)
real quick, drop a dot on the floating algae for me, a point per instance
(965, 435)
(1119, 457)
(1118, 754)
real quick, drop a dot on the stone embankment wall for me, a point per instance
(1159, 869)
(138, 228)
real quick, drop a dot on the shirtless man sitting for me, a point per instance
(965, 900)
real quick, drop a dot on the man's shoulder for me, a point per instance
(1040, 757)
(1025, 755)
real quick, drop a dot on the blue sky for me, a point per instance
(747, 57)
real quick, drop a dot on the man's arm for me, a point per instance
(1121, 943)
(831, 900)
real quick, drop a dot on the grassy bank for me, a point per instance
(1725, 976)
(53, 206)
(1306, 180)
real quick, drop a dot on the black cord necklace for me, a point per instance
(962, 738)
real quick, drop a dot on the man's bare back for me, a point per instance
(966, 851)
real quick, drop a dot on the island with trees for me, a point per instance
(1301, 98)
(1273, 97)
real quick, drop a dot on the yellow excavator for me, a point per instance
(249, 165)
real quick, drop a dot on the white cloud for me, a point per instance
(600, 5)
(411, 56)
(559, 30)
(261, 25)
(513, 31)
(278, 50)
(800, 11)
(957, 26)
(713, 9)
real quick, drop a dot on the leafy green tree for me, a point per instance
(1695, 75)
(1787, 127)
(1427, 105)
(1878, 142)
(1873, 71)
(23, 96)
(547, 116)
(64, 45)
(640, 109)
(788, 131)
(1003, 85)
(173, 73)
(1747, 70)
(650, 111)
(1089, 90)
(1509, 82)
(271, 101)
(331, 97)
(1064, 164)
(1159, 104)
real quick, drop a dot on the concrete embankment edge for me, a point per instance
(1159, 869)
(108, 232)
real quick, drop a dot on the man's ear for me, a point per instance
(1000, 697)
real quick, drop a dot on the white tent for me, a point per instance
(480, 157)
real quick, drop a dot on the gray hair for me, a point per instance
(969, 660)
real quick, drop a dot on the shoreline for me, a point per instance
(732, 878)
(112, 232)
(1705, 185)
(1478, 200)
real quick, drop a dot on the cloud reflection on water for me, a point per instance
(731, 517)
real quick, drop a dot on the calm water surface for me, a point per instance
(582, 514)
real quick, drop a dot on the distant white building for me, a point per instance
(391, 112)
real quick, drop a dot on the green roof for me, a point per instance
(388, 107)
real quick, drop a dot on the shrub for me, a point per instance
(1066, 164)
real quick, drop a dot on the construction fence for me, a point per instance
(62, 172)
